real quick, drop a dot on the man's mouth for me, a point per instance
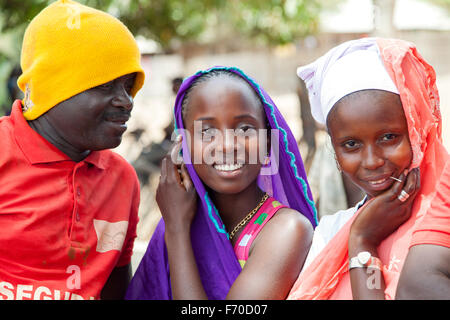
(118, 120)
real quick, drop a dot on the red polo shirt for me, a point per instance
(64, 225)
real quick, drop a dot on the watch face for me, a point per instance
(364, 257)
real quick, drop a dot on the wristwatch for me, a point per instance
(364, 259)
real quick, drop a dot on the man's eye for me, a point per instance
(129, 86)
(105, 86)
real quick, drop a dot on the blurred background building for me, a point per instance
(266, 39)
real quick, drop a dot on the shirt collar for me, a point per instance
(37, 149)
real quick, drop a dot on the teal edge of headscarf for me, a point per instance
(285, 140)
(216, 224)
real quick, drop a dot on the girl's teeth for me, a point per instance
(377, 182)
(227, 167)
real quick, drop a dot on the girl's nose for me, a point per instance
(229, 141)
(372, 158)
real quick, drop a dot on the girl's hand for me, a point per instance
(176, 195)
(385, 213)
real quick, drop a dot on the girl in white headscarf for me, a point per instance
(380, 104)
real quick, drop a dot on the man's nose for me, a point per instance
(122, 98)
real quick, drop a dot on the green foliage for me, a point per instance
(17, 13)
(171, 22)
(164, 20)
(275, 21)
(443, 3)
(267, 21)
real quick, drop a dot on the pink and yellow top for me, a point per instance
(255, 225)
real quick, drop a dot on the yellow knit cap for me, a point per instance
(69, 48)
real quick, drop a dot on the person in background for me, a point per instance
(14, 92)
(68, 205)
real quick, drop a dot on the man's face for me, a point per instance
(94, 119)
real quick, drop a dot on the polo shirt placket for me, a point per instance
(77, 234)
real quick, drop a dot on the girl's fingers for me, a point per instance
(411, 187)
(169, 169)
(397, 186)
(187, 182)
(418, 180)
(411, 181)
(175, 150)
(172, 172)
(415, 184)
(163, 168)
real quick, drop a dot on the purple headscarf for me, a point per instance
(216, 260)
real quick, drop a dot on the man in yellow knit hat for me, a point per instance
(69, 206)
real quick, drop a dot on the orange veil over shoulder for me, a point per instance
(327, 277)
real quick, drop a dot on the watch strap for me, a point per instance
(373, 263)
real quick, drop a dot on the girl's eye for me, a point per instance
(208, 133)
(388, 137)
(350, 144)
(245, 130)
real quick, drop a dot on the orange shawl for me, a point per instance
(327, 277)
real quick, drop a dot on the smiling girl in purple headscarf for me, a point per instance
(234, 225)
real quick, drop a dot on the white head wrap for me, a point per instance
(352, 66)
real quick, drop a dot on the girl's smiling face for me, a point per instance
(223, 117)
(369, 134)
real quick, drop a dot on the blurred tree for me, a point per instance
(275, 21)
(443, 3)
(177, 21)
(17, 13)
(269, 21)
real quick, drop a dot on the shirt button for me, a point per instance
(78, 191)
(77, 216)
